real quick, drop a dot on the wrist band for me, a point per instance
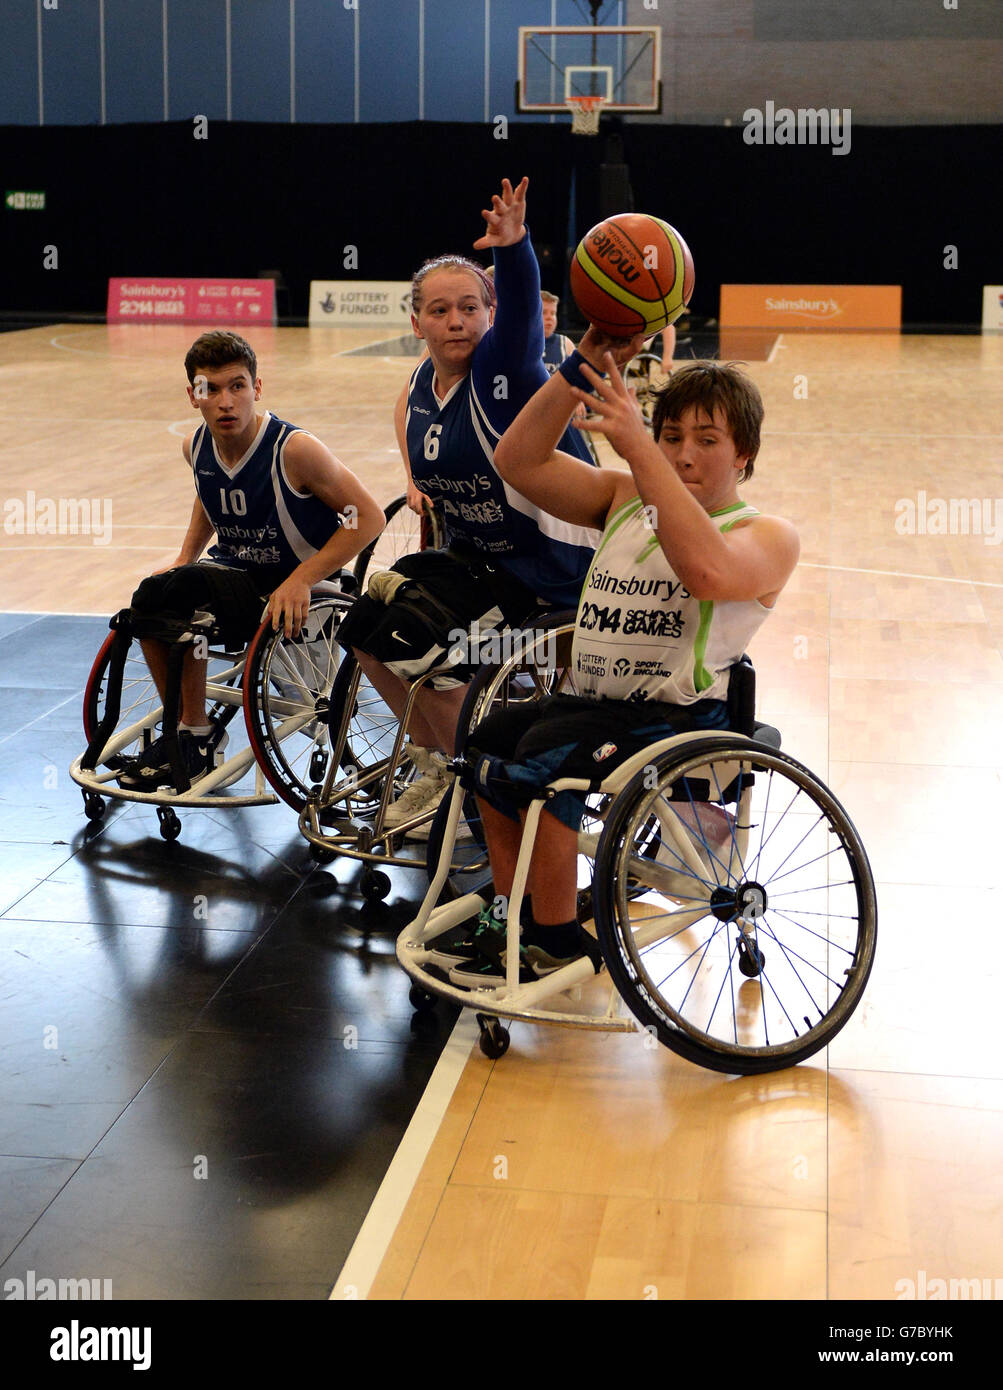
(571, 370)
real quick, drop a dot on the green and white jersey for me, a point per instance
(640, 634)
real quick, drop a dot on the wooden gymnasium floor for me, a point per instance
(584, 1166)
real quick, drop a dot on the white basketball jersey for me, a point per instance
(641, 635)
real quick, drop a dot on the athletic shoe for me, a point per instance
(534, 964)
(481, 942)
(424, 793)
(152, 769)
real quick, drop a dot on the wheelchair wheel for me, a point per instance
(287, 692)
(735, 905)
(405, 532)
(366, 727)
(140, 701)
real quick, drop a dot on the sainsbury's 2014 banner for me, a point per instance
(215, 303)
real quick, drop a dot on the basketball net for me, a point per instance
(585, 113)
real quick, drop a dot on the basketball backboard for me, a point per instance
(620, 63)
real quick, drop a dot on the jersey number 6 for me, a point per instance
(432, 441)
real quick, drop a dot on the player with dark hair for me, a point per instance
(285, 513)
(684, 574)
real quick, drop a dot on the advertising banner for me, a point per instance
(214, 303)
(811, 306)
(365, 303)
(992, 308)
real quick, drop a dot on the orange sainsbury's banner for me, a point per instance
(811, 306)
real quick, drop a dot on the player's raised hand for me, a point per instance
(614, 410)
(596, 343)
(506, 218)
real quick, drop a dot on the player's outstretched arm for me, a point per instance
(506, 217)
(754, 560)
(311, 467)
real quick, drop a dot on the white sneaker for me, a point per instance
(425, 792)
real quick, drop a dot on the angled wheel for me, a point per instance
(735, 905)
(140, 705)
(287, 693)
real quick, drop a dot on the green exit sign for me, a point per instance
(24, 202)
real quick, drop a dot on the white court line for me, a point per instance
(373, 1240)
(901, 574)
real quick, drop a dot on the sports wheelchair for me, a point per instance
(281, 685)
(731, 895)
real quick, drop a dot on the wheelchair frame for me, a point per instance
(226, 689)
(229, 689)
(740, 904)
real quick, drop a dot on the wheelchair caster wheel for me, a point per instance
(321, 856)
(375, 886)
(170, 826)
(494, 1039)
(420, 1000)
(94, 806)
(751, 959)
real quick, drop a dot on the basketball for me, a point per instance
(632, 274)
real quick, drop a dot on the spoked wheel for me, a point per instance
(364, 726)
(735, 906)
(140, 702)
(404, 533)
(287, 692)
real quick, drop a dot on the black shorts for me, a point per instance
(232, 596)
(453, 595)
(575, 736)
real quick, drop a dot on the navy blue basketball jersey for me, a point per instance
(451, 444)
(555, 349)
(262, 524)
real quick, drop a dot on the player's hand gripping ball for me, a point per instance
(632, 274)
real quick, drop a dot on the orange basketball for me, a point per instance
(632, 274)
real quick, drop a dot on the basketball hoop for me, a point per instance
(585, 113)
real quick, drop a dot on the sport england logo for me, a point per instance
(805, 126)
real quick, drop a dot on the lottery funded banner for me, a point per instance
(144, 299)
(992, 308)
(811, 306)
(386, 303)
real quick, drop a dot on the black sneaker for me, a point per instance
(152, 769)
(534, 964)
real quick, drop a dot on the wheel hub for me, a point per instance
(747, 900)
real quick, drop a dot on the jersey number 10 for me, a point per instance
(234, 502)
